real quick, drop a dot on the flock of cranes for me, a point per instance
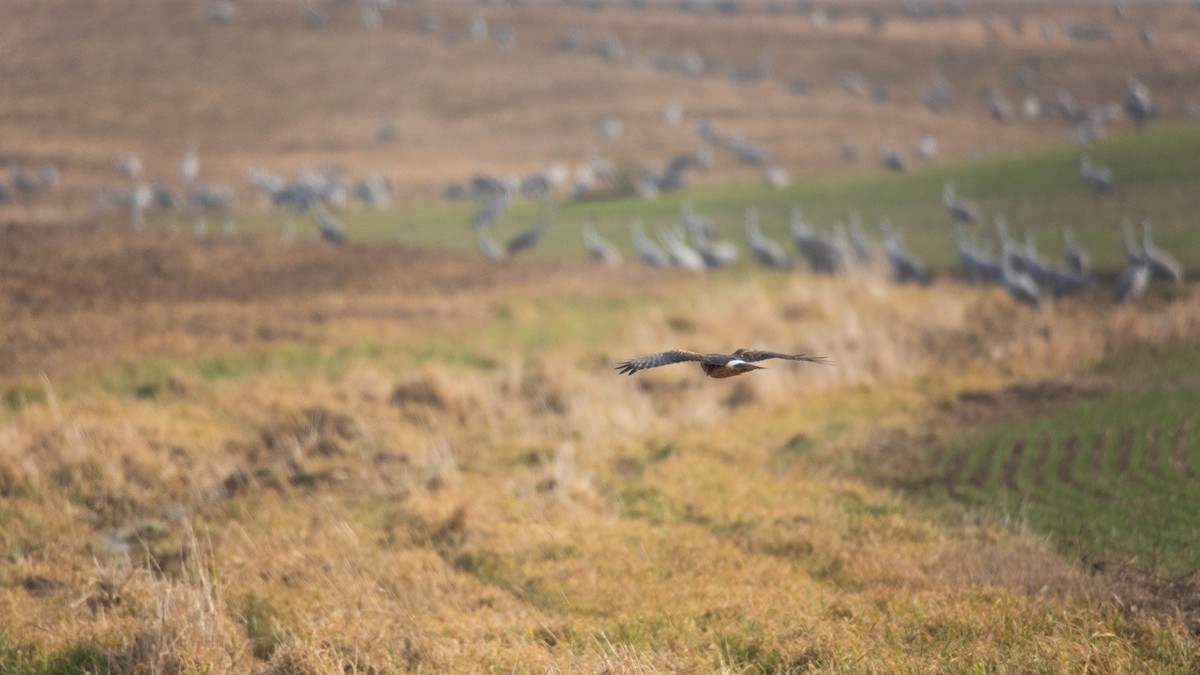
(694, 244)
(597, 175)
(938, 95)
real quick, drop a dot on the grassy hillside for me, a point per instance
(403, 477)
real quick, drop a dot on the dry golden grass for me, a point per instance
(508, 502)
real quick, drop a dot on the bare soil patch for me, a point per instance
(77, 297)
(1066, 463)
(1012, 464)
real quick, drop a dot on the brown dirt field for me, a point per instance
(980, 408)
(84, 81)
(80, 298)
(1012, 464)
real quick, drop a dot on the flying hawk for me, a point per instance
(714, 365)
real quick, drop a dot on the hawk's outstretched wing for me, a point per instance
(752, 355)
(655, 360)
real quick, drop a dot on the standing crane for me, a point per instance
(961, 210)
(529, 238)
(331, 230)
(1098, 178)
(1162, 265)
(488, 245)
(1019, 285)
(648, 252)
(598, 249)
(766, 252)
(1076, 257)
(189, 166)
(906, 267)
(1132, 284)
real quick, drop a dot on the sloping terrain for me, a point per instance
(419, 478)
(86, 82)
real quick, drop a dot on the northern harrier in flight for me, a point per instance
(714, 365)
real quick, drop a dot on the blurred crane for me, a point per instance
(768, 253)
(1137, 102)
(864, 250)
(529, 238)
(1132, 284)
(1098, 178)
(819, 251)
(961, 210)
(331, 230)
(978, 266)
(489, 211)
(999, 106)
(1074, 255)
(679, 252)
(1019, 285)
(189, 166)
(714, 252)
(598, 249)
(891, 159)
(1162, 265)
(1015, 255)
(906, 267)
(1035, 265)
(22, 182)
(1058, 280)
(488, 245)
(128, 164)
(1133, 254)
(648, 252)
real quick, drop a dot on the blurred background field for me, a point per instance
(230, 441)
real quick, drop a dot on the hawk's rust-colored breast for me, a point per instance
(720, 371)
